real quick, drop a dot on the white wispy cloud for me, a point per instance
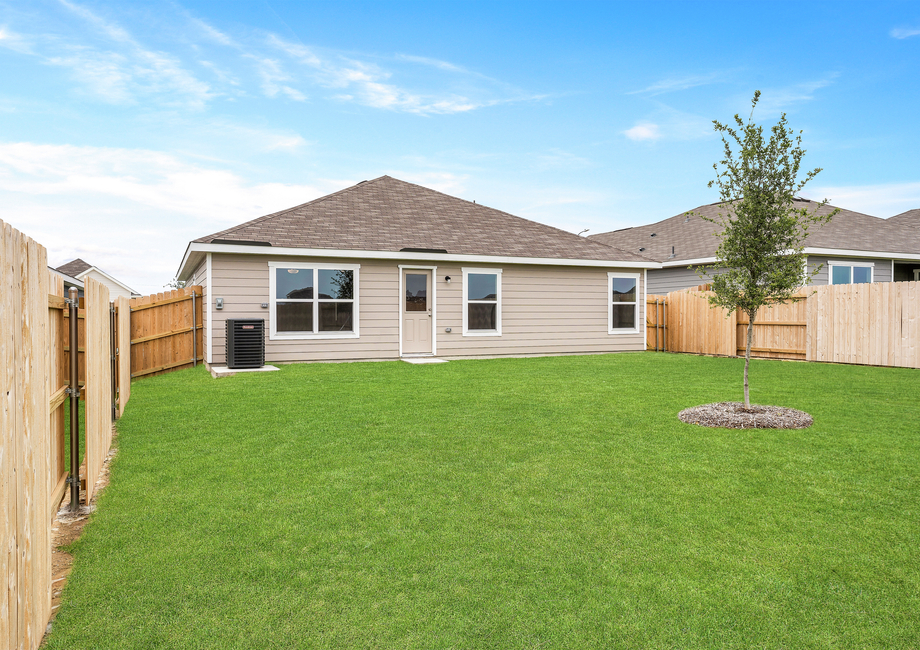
(904, 32)
(139, 208)
(434, 63)
(13, 41)
(212, 32)
(368, 83)
(123, 71)
(776, 100)
(643, 131)
(273, 78)
(882, 200)
(672, 84)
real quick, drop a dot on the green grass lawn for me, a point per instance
(518, 503)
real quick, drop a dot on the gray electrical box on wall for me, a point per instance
(219, 303)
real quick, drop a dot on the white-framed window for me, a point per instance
(623, 297)
(850, 272)
(313, 301)
(482, 302)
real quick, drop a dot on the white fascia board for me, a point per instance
(277, 251)
(68, 278)
(106, 275)
(839, 252)
(694, 262)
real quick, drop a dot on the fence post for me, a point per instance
(194, 332)
(112, 351)
(74, 391)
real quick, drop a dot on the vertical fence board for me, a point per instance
(57, 379)
(98, 381)
(163, 327)
(124, 353)
(868, 324)
(25, 448)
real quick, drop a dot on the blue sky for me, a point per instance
(128, 129)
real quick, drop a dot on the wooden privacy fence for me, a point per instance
(34, 386)
(166, 332)
(870, 324)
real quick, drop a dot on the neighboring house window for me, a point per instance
(850, 273)
(482, 302)
(623, 291)
(313, 300)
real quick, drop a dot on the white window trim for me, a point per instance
(610, 277)
(833, 263)
(293, 336)
(498, 302)
(434, 304)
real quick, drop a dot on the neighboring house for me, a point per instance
(851, 248)
(907, 272)
(388, 269)
(81, 270)
(69, 281)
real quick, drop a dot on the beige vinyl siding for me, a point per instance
(242, 281)
(200, 278)
(544, 310)
(881, 271)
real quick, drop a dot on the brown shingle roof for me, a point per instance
(387, 214)
(74, 268)
(910, 218)
(695, 238)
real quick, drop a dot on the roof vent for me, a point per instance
(672, 255)
(240, 242)
(423, 250)
(641, 249)
(653, 235)
(687, 220)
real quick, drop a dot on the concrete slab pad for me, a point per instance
(421, 360)
(223, 371)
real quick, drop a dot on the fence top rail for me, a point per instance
(165, 301)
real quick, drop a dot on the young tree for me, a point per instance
(761, 252)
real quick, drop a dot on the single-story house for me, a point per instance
(69, 282)
(906, 272)
(851, 248)
(81, 270)
(387, 269)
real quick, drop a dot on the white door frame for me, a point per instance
(434, 303)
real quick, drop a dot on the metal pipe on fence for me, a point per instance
(113, 350)
(657, 322)
(664, 310)
(74, 391)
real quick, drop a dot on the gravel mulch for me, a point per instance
(733, 415)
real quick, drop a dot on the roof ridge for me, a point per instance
(488, 207)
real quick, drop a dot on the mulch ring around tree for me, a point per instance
(733, 415)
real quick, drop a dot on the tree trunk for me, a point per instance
(747, 357)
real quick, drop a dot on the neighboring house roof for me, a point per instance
(691, 237)
(392, 216)
(79, 269)
(74, 268)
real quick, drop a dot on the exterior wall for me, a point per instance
(544, 310)
(881, 272)
(200, 277)
(115, 290)
(663, 281)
